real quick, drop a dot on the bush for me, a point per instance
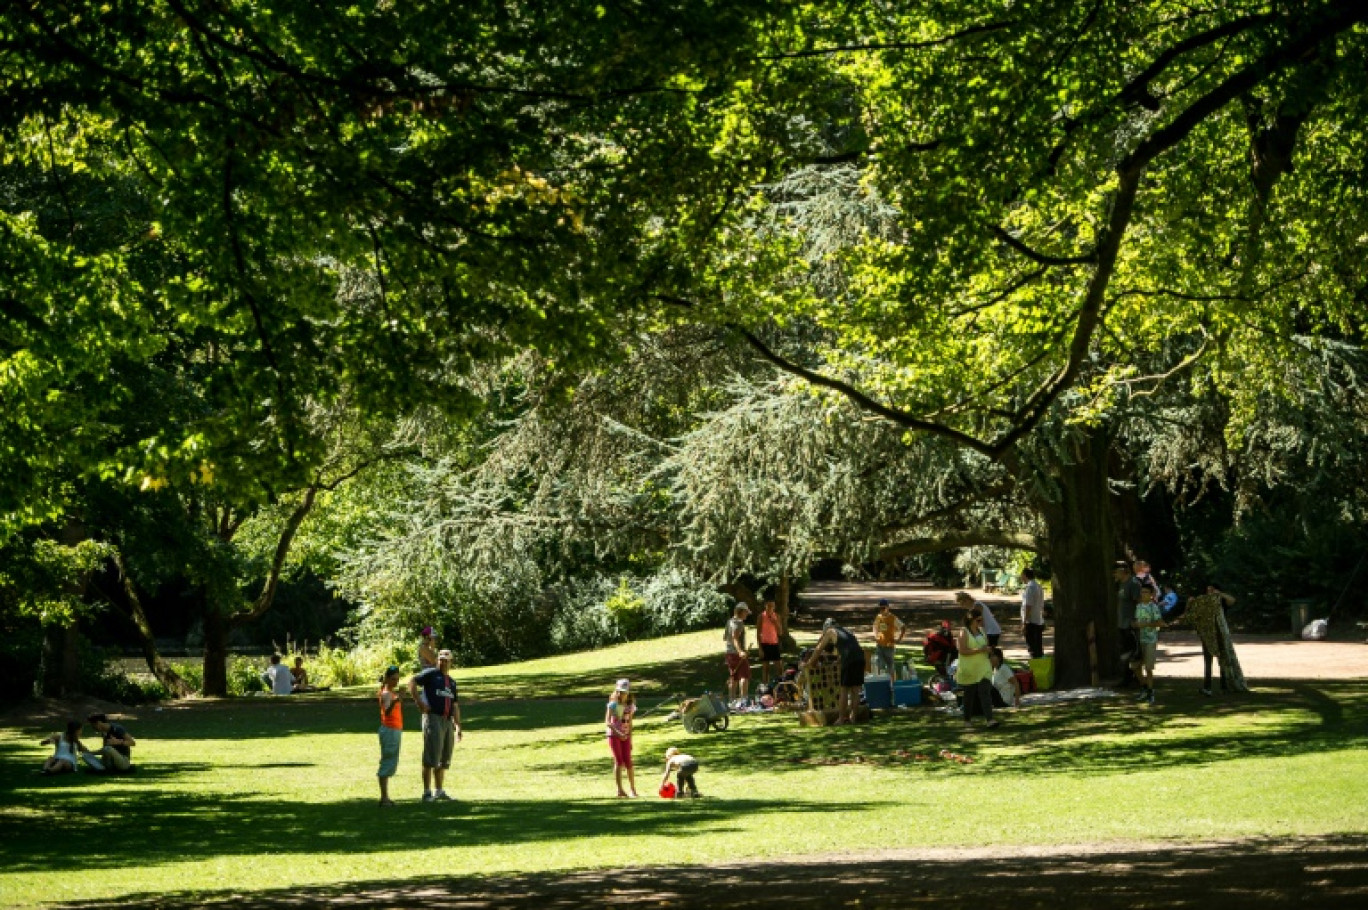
(192, 673)
(244, 675)
(600, 611)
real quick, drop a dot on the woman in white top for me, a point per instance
(63, 760)
(991, 627)
(1006, 688)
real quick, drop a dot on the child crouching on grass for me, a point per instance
(391, 731)
(685, 767)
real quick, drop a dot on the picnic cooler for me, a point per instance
(878, 692)
(907, 692)
(1025, 680)
(1042, 669)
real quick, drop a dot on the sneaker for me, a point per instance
(1143, 696)
(442, 795)
(1151, 696)
(1206, 692)
(993, 724)
(427, 796)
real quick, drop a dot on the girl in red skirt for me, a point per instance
(618, 721)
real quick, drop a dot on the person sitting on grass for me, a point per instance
(68, 746)
(299, 677)
(277, 677)
(1006, 687)
(685, 767)
(116, 754)
(1148, 621)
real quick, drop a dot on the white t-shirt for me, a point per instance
(1033, 603)
(1002, 681)
(990, 623)
(282, 683)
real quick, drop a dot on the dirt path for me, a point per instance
(1240, 875)
(1180, 653)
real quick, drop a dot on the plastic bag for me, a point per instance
(1316, 630)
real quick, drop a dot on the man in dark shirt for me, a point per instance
(116, 754)
(435, 692)
(1127, 596)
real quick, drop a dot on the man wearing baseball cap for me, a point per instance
(435, 692)
(888, 632)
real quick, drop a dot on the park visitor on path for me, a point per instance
(767, 631)
(991, 627)
(975, 669)
(66, 747)
(278, 677)
(436, 695)
(683, 765)
(1206, 615)
(839, 640)
(1127, 596)
(391, 731)
(738, 664)
(116, 752)
(888, 632)
(618, 723)
(1033, 614)
(1148, 620)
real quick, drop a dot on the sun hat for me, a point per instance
(444, 654)
(624, 685)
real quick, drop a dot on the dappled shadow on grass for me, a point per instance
(1327, 871)
(1087, 737)
(689, 675)
(149, 827)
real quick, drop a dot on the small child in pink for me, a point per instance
(618, 721)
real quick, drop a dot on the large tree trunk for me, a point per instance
(215, 652)
(1081, 552)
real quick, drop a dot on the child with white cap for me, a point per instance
(683, 765)
(618, 721)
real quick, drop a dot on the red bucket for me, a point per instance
(667, 791)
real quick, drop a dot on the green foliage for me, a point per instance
(626, 611)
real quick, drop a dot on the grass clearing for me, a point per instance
(260, 794)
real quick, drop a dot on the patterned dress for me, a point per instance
(1206, 615)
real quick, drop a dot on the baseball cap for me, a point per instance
(427, 631)
(883, 601)
(624, 685)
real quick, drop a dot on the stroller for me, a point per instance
(939, 649)
(707, 710)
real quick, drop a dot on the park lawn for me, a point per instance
(263, 795)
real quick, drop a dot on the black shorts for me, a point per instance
(770, 653)
(852, 673)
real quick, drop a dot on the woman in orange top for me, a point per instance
(768, 627)
(391, 731)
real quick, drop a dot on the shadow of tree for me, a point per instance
(1272, 873)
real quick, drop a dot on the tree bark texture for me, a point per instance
(782, 595)
(215, 652)
(163, 672)
(1082, 551)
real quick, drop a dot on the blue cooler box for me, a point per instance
(907, 692)
(877, 692)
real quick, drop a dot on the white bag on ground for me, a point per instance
(1316, 630)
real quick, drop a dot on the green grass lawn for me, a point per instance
(261, 794)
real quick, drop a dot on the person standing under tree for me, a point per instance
(437, 699)
(975, 669)
(1127, 596)
(767, 631)
(837, 639)
(738, 664)
(1148, 620)
(391, 731)
(1033, 613)
(888, 633)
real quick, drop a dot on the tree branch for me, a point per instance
(1035, 256)
(893, 45)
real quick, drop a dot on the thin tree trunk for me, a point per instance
(163, 672)
(781, 607)
(1081, 550)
